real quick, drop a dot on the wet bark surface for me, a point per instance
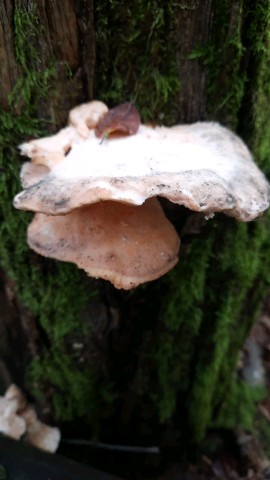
(18, 336)
(66, 39)
(193, 32)
(9, 67)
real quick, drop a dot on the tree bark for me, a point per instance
(154, 365)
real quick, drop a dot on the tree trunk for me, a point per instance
(155, 365)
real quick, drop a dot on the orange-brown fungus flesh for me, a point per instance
(125, 244)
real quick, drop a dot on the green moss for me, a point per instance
(3, 473)
(204, 320)
(54, 292)
(222, 58)
(181, 320)
(234, 274)
(36, 285)
(241, 400)
(260, 38)
(72, 389)
(135, 56)
(26, 28)
(70, 384)
(35, 82)
(241, 407)
(240, 261)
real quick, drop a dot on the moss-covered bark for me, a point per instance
(162, 357)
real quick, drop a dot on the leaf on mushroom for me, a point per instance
(124, 119)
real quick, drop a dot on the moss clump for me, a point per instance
(204, 321)
(35, 82)
(240, 408)
(225, 75)
(223, 61)
(135, 56)
(259, 34)
(72, 389)
(181, 321)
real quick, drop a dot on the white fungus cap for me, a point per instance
(202, 166)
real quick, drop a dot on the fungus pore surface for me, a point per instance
(125, 244)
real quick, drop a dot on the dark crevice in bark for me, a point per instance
(250, 64)
(193, 28)
(9, 68)
(87, 46)
(17, 341)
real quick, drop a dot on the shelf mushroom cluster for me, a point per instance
(94, 188)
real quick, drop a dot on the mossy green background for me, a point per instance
(188, 350)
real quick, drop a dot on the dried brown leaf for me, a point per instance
(124, 119)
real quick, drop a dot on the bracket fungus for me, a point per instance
(105, 189)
